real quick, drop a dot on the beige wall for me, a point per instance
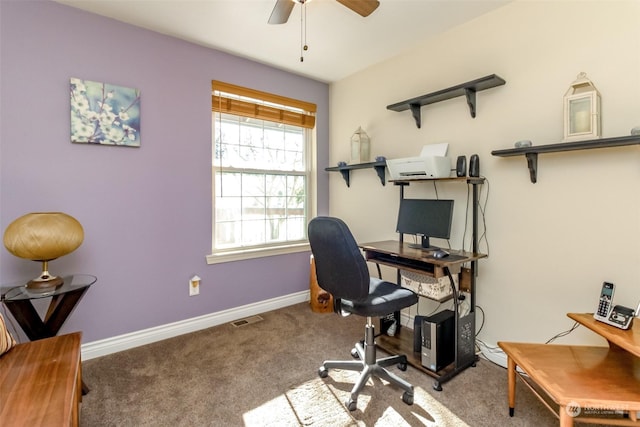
(552, 243)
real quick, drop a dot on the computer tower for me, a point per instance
(417, 333)
(438, 340)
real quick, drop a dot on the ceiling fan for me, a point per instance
(283, 8)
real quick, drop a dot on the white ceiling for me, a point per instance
(340, 41)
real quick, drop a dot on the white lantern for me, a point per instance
(360, 147)
(582, 118)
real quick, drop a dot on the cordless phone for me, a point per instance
(605, 302)
(618, 316)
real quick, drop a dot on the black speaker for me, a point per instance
(474, 166)
(461, 166)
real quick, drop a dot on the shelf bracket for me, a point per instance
(345, 170)
(381, 173)
(532, 152)
(415, 112)
(345, 175)
(532, 164)
(467, 89)
(470, 94)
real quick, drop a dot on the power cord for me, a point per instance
(483, 317)
(487, 348)
(496, 355)
(563, 334)
(482, 207)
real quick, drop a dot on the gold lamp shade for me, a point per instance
(42, 237)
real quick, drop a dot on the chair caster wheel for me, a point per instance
(351, 404)
(402, 365)
(354, 353)
(407, 398)
(323, 372)
(437, 386)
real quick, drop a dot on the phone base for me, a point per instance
(621, 317)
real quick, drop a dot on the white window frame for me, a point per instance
(279, 248)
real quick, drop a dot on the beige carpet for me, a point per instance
(321, 403)
(265, 374)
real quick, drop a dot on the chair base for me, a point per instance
(369, 367)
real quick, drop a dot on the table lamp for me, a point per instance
(43, 237)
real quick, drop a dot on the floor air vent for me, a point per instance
(246, 321)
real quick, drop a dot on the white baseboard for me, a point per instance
(492, 353)
(147, 336)
(135, 339)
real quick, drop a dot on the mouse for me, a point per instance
(440, 254)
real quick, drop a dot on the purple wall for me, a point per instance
(146, 211)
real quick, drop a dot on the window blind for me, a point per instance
(241, 101)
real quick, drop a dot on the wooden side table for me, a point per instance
(597, 384)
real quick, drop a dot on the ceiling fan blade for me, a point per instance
(361, 7)
(281, 11)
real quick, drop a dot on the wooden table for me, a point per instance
(594, 384)
(40, 383)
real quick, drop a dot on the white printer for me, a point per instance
(432, 163)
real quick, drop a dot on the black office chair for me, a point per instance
(342, 271)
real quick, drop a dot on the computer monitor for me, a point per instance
(425, 218)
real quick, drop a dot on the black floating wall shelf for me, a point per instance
(467, 89)
(531, 153)
(346, 170)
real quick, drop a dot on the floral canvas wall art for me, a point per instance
(104, 114)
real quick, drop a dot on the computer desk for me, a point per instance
(401, 256)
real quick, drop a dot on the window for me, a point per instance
(261, 167)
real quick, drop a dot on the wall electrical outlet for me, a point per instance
(194, 286)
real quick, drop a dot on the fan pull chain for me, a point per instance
(303, 30)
